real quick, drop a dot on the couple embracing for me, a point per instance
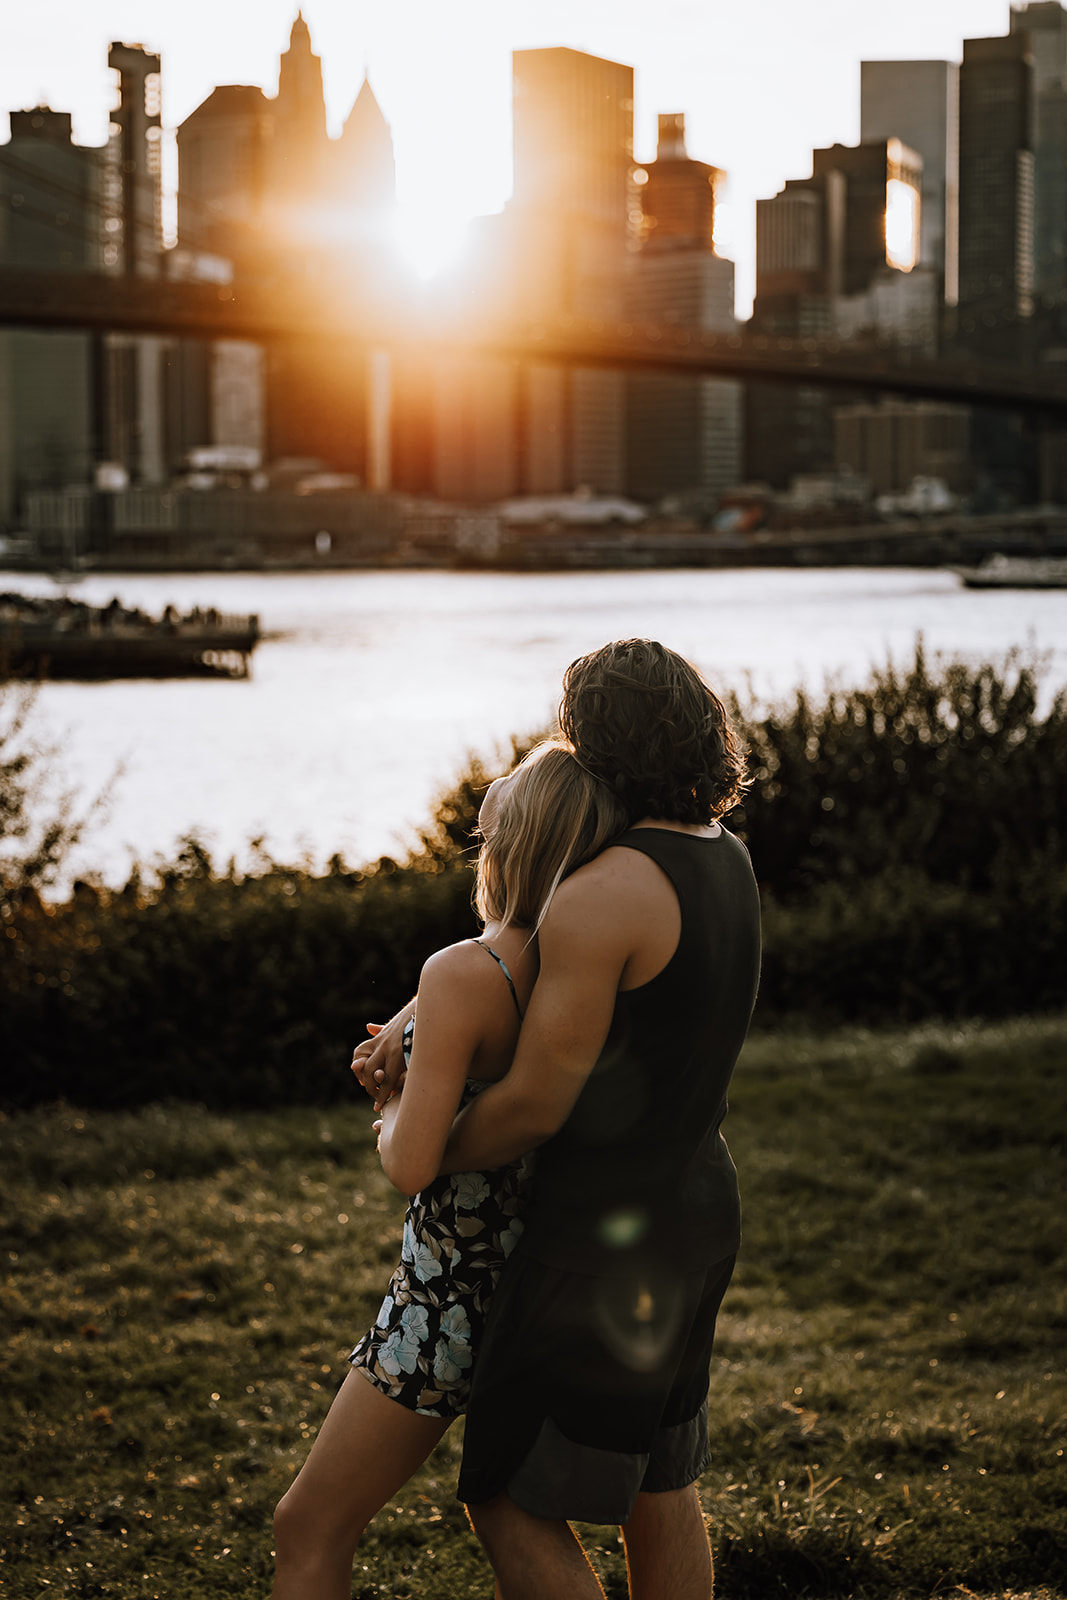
(564, 1082)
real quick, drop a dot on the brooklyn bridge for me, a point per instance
(286, 311)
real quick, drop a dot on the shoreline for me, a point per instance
(484, 542)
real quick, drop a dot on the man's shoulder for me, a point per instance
(614, 882)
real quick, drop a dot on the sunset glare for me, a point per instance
(759, 90)
(427, 241)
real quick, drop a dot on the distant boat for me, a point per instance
(65, 638)
(1016, 572)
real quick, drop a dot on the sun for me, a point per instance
(428, 241)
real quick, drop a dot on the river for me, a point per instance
(369, 687)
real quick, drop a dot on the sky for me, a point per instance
(761, 82)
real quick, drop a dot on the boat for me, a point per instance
(60, 637)
(1016, 572)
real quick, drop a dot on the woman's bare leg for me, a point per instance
(367, 1448)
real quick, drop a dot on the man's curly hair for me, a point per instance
(643, 721)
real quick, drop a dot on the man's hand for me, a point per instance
(378, 1063)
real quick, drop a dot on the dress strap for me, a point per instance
(502, 964)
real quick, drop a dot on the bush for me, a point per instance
(908, 839)
(216, 989)
(953, 774)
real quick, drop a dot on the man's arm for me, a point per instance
(589, 934)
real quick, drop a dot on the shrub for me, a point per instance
(908, 839)
(953, 773)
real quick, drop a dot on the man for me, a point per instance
(589, 1400)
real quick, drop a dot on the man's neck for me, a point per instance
(698, 830)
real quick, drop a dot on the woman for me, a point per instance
(411, 1371)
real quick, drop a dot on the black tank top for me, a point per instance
(641, 1164)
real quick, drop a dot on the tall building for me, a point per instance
(50, 217)
(918, 103)
(1046, 24)
(49, 222)
(364, 164)
(571, 216)
(996, 187)
(133, 166)
(683, 434)
(73, 401)
(131, 433)
(883, 207)
(224, 154)
(677, 194)
(836, 254)
(800, 239)
(573, 135)
(299, 151)
(262, 185)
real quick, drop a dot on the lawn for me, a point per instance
(889, 1406)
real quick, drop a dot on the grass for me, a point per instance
(888, 1397)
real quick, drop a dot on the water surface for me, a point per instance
(370, 687)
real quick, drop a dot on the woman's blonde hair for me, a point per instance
(552, 817)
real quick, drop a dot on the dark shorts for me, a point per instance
(590, 1390)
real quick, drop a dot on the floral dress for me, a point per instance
(458, 1232)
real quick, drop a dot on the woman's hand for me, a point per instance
(378, 1063)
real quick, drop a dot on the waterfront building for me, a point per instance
(893, 442)
(683, 435)
(918, 103)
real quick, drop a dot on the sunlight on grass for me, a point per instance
(888, 1398)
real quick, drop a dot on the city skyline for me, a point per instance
(448, 102)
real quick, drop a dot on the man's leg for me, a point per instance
(668, 1556)
(533, 1558)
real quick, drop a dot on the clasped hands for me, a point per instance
(378, 1063)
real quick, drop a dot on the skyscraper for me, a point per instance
(364, 164)
(133, 165)
(836, 253)
(883, 205)
(1046, 24)
(996, 186)
(49, 222)
(224, 153)
(263, 185)
(918, 102)
(683, 434)
(573, 135)
(299, 151)
(568, 224)
(50, 192)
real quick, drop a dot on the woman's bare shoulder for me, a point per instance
(454, 961)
